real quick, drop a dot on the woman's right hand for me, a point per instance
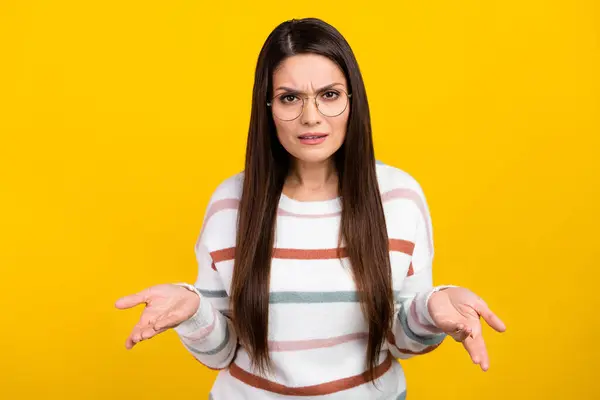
(166, 306)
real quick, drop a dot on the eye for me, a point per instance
(288, 98)
(330, 95)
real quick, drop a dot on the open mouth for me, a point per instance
(312, 138)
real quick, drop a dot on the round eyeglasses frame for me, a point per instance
(348, 96)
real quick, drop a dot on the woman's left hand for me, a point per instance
(457, 312)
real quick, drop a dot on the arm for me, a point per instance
(424, 312)
(414, 331)
(209, 335)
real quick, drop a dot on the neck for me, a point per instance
(312, 179)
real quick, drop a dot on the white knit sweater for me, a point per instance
(317, 332)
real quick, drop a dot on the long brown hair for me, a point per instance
(363, 225)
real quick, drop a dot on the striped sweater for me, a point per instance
(317, 333)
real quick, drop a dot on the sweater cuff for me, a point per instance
(201, 319)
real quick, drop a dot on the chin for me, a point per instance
(314, 156)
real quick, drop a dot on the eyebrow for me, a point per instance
(289, 89)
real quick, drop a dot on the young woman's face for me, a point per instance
(310, 133)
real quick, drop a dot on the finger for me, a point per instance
(461, 333)
(141, 335)
(130, 301)
(148, 333)
(133, 339)
(129, 343)
(136, 334)
(491, 318)
(475, 346)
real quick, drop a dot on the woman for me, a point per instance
(315, 262)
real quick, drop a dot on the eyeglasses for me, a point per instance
(289, 105)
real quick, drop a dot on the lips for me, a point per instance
(312, 138)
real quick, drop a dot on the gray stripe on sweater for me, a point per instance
(220, 347)
(317, 297)
(425, 340)
(301, 297)
(212, 293)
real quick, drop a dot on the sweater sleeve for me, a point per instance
(209, 335)
(414, 331)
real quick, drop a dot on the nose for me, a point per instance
(310, 114)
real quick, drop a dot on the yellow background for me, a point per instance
(119, 118)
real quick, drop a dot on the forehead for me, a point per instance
(307, 71)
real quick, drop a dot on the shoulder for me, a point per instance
(221, 212)
(392, 179)
(219, 223)
(229, 188)
(402, 195)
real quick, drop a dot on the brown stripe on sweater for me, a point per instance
(223, 255)
(402, 246)
(228, 254)
(314, 390)
(420, 352)
(309, 254)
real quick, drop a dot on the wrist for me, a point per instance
(199, 318)
(429, 297)
(418, 320)
(192, 294)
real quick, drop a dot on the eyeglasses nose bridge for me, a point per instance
(305, 100)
